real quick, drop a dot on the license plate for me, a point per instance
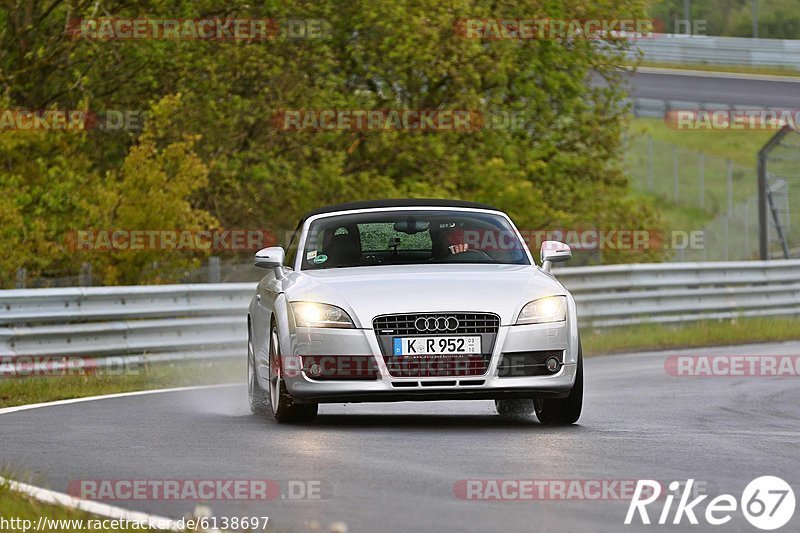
(436, 345)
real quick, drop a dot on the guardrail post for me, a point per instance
(22, 275)
(726, 219)
(747, 229)
(676, 192)
(755, 9)
(702, 180)
(763, 245)
(85, 278)
(687, 15)
(705, 245)
(650, 163)
(214, 270)
(730, 186)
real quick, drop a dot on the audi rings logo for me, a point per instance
(436, 323)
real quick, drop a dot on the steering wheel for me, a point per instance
(466, 256)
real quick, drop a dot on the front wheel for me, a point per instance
(563, 411)
(284, 409)
(258, 398)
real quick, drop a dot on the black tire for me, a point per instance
(514, 408)
(258, 397)
(284, 409)
(563, 411)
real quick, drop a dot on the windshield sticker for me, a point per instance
(321, 258)
(311, 255)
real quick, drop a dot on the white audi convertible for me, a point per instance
(399, 300)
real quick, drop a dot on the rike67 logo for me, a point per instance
(767, 503)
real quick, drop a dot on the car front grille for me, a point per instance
(389, 326)
(468, 324)
(518, 364)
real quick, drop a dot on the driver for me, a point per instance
(448, 241)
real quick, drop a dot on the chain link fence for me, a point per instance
(217, 270)
(715, 197)
(47, 280)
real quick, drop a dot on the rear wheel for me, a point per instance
(563, 411)
(514, 408)
(259, 399)
(284, 409)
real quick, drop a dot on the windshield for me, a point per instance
(406, 237)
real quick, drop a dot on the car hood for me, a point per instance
(366, 292)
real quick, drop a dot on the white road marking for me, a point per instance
(26, 407)
(95, 508)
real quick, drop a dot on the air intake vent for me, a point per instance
(518, 364)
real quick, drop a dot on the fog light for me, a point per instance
(315, 370)
(552, 364)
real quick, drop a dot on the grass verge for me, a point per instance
(767, 71)
(20, 513)
(740, 146)
(20, 391)
(696, 335)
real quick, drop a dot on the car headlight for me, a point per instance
(548, 309)
(316, 315)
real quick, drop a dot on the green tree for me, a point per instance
(210, 153)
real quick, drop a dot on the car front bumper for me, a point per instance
(492, 384)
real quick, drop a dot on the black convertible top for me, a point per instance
(396, 202)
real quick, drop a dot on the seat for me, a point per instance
(343, 249)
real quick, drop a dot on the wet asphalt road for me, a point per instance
(393, 467)
(714, 88)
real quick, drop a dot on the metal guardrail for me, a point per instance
(84, 304)
(173, 322)
(658, 108)
(618, 295)
(124, 325)
(687, 50)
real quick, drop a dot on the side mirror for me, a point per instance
(554, 252)
(271, 257)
